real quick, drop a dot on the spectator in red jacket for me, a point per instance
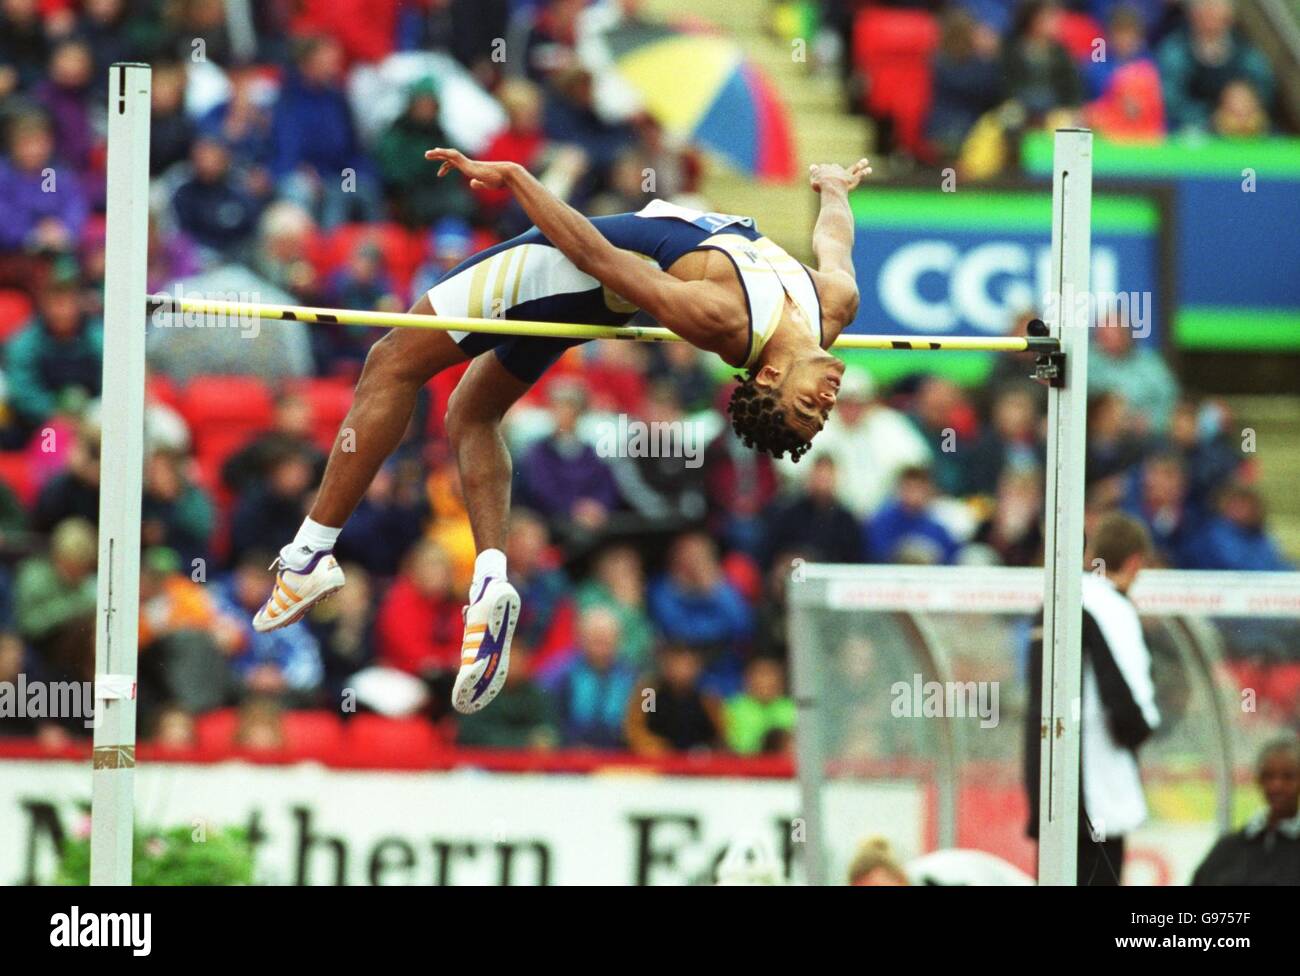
(419, 625)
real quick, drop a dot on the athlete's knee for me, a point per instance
(467, 413)
(388, 361)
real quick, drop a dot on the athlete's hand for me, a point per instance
(828, 174)
(482, 176)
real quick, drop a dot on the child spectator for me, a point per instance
(762, 715)
(673, 714)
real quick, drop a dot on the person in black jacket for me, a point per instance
(1118, 707)
(1267, 849)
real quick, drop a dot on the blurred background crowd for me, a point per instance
(287, 163)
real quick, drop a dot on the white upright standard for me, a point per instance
(122, 449)
(1068, 316)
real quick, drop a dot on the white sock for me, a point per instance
(490, 562)
(312, 537)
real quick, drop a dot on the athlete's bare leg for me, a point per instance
(481, 399)
(397, 366)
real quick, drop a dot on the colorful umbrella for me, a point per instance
(700, 87)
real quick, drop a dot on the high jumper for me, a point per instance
(712, 279)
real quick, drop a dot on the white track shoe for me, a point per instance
(490, 622)
(298, 590)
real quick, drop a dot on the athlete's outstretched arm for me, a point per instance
(698, 311)
(833, 238)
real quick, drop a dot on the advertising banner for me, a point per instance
(969, 262)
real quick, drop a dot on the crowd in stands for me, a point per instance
(958, 81)
(644, 579)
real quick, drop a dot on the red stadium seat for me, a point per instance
(405, 742)
(403, 250)
(316, 734)
(16, 472)
(15, 311)
(330, 401)
(224, 412)
(892, 49)
(215, 731)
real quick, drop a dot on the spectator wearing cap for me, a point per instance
(1267, 849)
(450, 243)
(45, 207)
(57, 355)
(870, 442)
(1198, 62)
(54, 602)
(409, 180)
(211, 207)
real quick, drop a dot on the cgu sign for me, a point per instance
(935, 286)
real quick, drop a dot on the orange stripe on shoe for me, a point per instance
(279, 581)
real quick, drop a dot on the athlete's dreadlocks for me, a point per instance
(760, 422)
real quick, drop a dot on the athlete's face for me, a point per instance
(808, 393)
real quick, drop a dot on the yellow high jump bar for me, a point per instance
(167, 304)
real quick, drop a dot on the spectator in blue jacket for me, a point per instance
(591, 688)
(318, 159)
(905, 530)
(1236, 538)
(211, 206)
(694, 603)
(284, 663)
